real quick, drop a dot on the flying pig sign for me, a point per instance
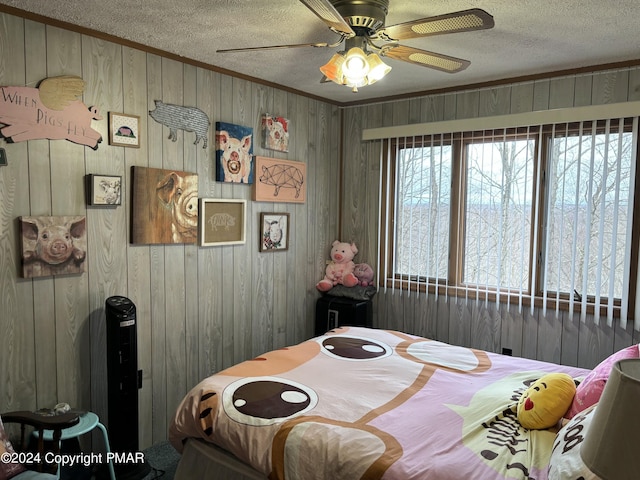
(52, 111)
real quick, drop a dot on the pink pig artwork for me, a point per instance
(53, 245)
(52, 111)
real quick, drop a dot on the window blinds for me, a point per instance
(542, 214)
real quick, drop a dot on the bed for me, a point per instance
(365, 403)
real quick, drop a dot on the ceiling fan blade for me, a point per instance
(444, 63)
(272, 47)
(329, 15)
(463, 21)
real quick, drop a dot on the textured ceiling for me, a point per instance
(530, 37)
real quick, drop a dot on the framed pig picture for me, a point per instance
(274, 232)
(234, 153)
(223, 221)
(275, 133)
(164, 206)
(105, 190)
(124, 130)
(280, 181)
(53, 245)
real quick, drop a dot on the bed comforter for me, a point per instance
(372, 404)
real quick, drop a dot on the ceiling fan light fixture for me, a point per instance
(377, 68)
(355, 69)
(355, 65)
(333, 68)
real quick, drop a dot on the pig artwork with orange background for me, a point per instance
(52, 111)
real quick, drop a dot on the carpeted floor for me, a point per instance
(163, 460)
(161, 457)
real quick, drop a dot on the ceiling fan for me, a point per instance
(360, 24)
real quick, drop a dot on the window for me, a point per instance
(541, 215)
(498, 197)
(424, 199)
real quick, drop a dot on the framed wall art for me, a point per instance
(124, 130)
(275, 133)
(105, 190)
(164, 206)
(234, 153)
(222, 221)
(53, 245)
(274, 232)
(280, 181)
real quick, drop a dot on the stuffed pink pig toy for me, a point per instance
(339, 270)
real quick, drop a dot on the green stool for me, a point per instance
(87, 422)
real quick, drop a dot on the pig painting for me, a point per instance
(180, 195)
(165, 206)
(234, 153)
(176, 117)
(52, 111)
(53, 245)
(275, 133)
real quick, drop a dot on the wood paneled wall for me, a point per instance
(561, 338)
(202, 309)
(199, 309)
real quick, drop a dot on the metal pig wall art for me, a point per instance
(176, 117)
(53, 245)
(52, 111)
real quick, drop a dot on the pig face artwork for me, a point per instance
(275, 231)
(53, 245)
(180, 195)
(275, 133)
(105, 190)
(234, 153)
(165, 206)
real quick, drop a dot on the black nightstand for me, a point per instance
(332, 312)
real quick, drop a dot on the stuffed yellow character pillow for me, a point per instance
(545, 402)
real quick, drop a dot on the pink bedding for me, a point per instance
(372, 404)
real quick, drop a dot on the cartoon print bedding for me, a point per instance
(372, 404)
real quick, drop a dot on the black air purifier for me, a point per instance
(123, 383)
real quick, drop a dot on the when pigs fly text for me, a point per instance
(42, 117)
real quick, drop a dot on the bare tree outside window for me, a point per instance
(544, 212)
(589, 211)
(423, 202)
(498, 214)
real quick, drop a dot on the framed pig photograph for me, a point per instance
(234, 153)
(124, 130)
(274, 232)
(105, 190)
(53, 245)
(222, 221)
(164, 206)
